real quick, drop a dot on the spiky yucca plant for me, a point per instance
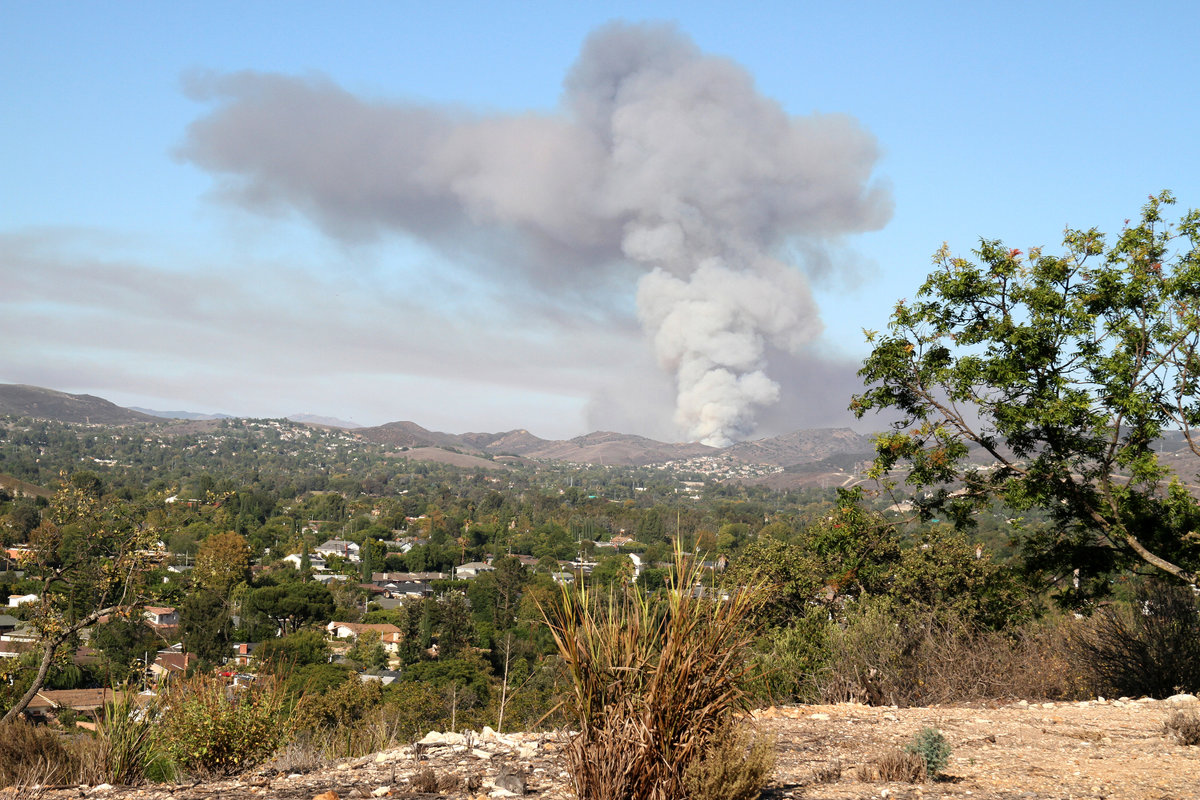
(654, 678)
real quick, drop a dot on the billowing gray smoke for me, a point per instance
(661, 157)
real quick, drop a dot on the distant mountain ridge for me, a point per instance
(600, 447)
(20, 400)
(192, 415)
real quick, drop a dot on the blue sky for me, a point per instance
(127, 271)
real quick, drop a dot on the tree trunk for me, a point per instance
(48, 649)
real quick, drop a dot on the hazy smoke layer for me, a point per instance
(661, 156)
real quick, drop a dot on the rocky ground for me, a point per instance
(1101, 749)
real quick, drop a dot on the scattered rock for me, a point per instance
(511, 782)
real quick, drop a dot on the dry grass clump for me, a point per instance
(33, 754)
(829, 773)
(894, 766)
(1183, 727)
(425, 781)
(654, 683)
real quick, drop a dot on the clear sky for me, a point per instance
(485, 216)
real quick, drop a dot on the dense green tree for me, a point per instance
(206, 626)
(1065, 372)
(126, 645)
(454, 626)
(287, 607)
(294, 650)
(222, 562)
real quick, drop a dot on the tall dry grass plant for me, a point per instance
(654, 678)
(127, 750)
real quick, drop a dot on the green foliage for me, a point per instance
(294, 650)
(205, 625)
(470, 674)
(948, 577)
(211, 728)
(792, 660)
(345, 706)
(89, 558)
(128, 751)
(934, 750)
(287, 607)
(367, 651)
(1065, 371)
(314, 679)
(222, 562)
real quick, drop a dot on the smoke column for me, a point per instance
(661, 157)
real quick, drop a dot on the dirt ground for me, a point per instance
(1065, 751)
(1096, 750)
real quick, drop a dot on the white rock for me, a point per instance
(484, 754)
(104, 787)
(1182, 698)
(381, 791)
(448, 738)
(820, 715)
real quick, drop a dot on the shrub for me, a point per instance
(1183, 727)
(931, 746)
(735, 766)
(654, 679)
(1149, 647)
(210, 728)
(887, 654)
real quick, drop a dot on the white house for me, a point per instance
(339, 547)
(472, 569)
(161, 615)
(316, 562)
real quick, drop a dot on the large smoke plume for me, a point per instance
(661, 157)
